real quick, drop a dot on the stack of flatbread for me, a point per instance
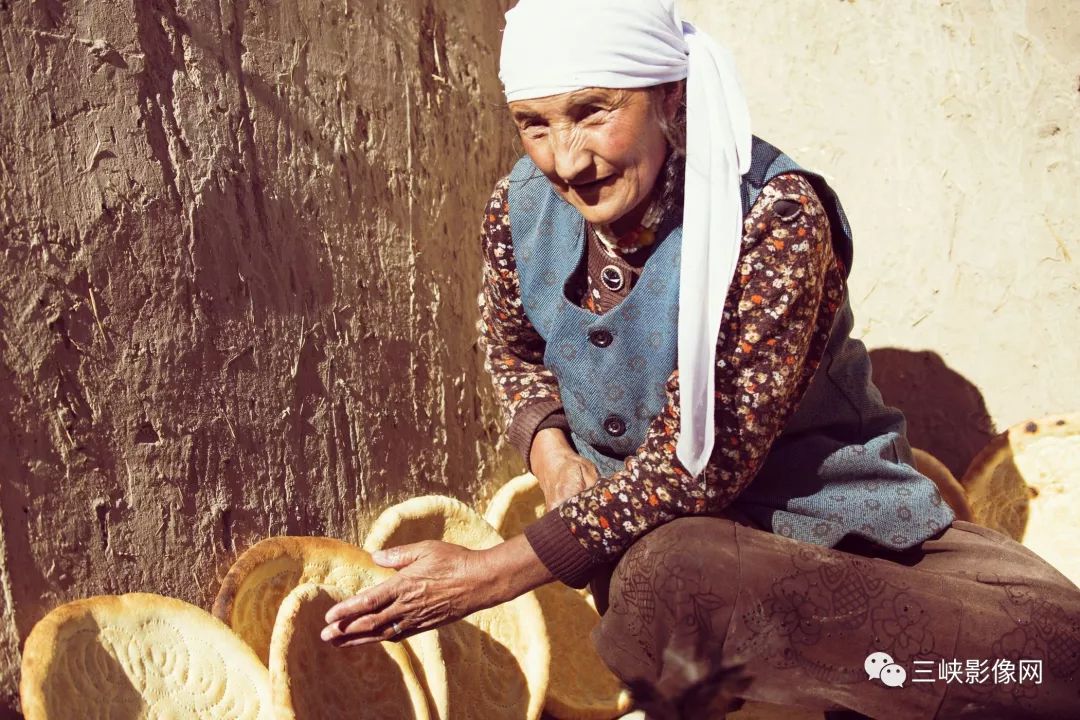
(140, 656)
(1026, 484)
(259, 654)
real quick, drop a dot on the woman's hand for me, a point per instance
(567, 478)
(562, 473)
(438, 582)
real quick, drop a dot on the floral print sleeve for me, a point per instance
(777, 318)
(513, 350)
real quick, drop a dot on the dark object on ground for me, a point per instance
(694, 686)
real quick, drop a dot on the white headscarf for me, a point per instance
(556, 46)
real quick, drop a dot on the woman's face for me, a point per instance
(602, 149)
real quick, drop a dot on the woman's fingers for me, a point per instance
(574, 475)
(402, 555)
(368, 628)
(369, 615)
(367, 601)
(345, 641)
(439, 582)
(380, 596)
(570, 483)
(591, 474)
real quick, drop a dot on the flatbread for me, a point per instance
(121, 657)
(431, 517)
(581, 686)
(313, 680)
(498, 659)
(265, 573)
(950, 488)
(518, 504)
(1026, 484)
(262, 576)
(515, 505)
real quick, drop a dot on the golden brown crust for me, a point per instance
(312, 679)
(1000, 491)
(984, 460)
(263, 575)
(581, 686)
(1046, 456)
(431, 517)
(947, 484)
(498, 659)
(282, 563)
(996, 490)
(119, 653)
(298, 548)
(516, 504)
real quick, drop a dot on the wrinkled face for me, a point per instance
(602, 149)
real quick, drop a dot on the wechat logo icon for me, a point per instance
(880, 666)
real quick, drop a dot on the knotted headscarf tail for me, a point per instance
(556, 46)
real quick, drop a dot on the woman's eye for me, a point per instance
(533, 129)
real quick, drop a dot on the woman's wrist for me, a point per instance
(513, 568)
(550, 447)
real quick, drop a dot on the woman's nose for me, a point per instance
(571, 157)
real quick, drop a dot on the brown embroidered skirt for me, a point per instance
(982, 626)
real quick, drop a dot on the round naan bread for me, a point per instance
(950, 488)
(262, 576)
(497, 659)
(581, 687)
(515, 505)
(313, 680)
(122, 657)
(1026, 483)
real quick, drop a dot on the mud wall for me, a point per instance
(238, 281)
(951, 131)
(238, 253)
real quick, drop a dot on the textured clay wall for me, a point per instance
(238, 281)
(239, 262)
(951, 131)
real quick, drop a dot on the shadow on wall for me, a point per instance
(946, 413)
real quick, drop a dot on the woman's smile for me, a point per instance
(601, 149)
(590, 188)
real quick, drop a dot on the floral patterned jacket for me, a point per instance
(777, 318)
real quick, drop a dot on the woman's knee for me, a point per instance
(675, 586)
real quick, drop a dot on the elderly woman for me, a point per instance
(666, 320)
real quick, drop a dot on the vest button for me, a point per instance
(615, 425)
(787, 210)
(600, 338)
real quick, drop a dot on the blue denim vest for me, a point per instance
(842, 463)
